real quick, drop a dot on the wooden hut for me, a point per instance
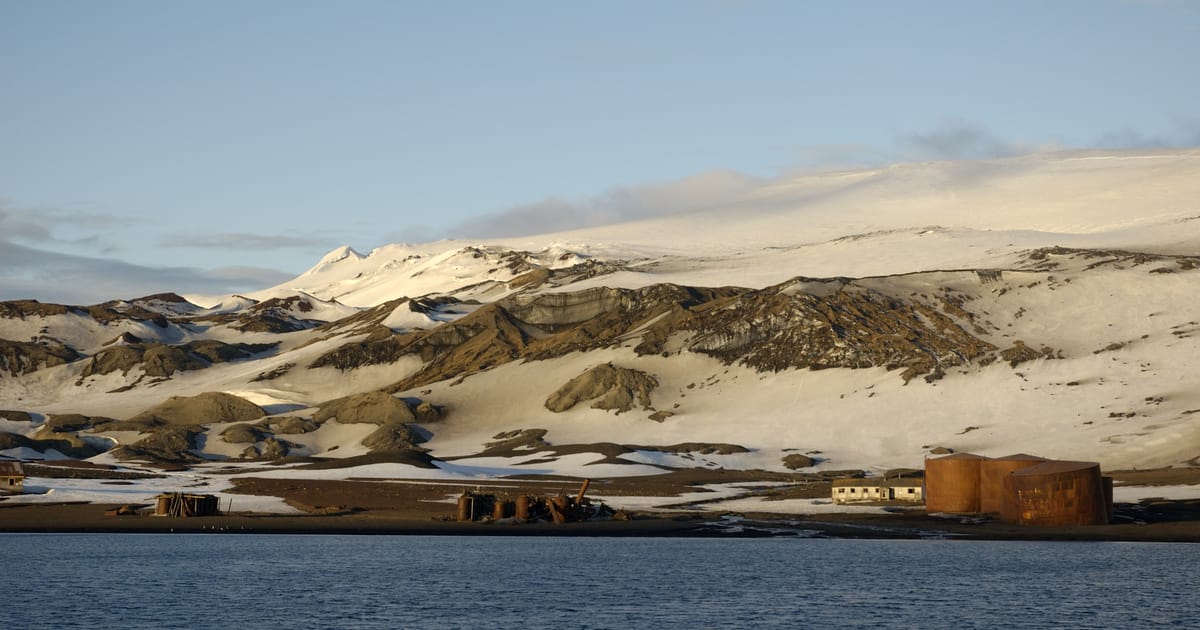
(12, 478)
(180, 504)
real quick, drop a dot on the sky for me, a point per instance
(225, 146)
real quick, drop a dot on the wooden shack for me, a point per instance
(12, 478)
(180, 504)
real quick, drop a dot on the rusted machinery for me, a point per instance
(475, 506)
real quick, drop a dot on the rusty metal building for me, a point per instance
(1058, 493)
(1022, 489)
(991, 478)
(952, 483)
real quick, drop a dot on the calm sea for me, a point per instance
(270, 581)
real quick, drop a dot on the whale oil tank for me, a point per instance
(991, 478)
(1056, 493)
(952, 483)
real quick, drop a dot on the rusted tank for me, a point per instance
(1056, 493)
(991, 478)
(465, 504)
(502, 509)
(1109, 508)
(523, 506)
(952, 483)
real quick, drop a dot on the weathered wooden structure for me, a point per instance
(183, 505)
(12, 478)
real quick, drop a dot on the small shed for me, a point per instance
(12, 478)
(180, 504)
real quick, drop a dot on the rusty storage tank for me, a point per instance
(991, 478)
(1056, 493)
(466, 508)
(952, 483)
(523, 503)
(1110, 509)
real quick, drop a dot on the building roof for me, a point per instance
(957, 456)
(11, 469)
(1055, 467)
(876, 482)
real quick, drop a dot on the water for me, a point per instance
(269, 581)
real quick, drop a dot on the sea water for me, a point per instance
(328, 581)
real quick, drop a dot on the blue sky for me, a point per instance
(225, 146)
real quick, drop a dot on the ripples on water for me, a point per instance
(266, 581)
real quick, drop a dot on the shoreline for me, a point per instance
(91, 518)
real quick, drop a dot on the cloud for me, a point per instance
(616, 205)
(957, 139)
(234, 240)
(31, 273)
(1184, 132)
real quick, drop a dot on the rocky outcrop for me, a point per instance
(68, 444)
(23, 357)
(795, 461)
(161, 360)
(165, 444)
(209, 407)
(392, 437)
(243, 433)
(292, 425)
(609, 387)
(277, 315)
(776, 329)
(372, 407)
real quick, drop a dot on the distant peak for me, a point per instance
(337, 255)
(341, 253)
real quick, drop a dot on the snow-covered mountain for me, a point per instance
(862, 319)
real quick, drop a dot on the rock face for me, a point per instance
(795, 325)
(393, 415)
(21, 357)
(161, 360)
(165, 444)
(610, 387)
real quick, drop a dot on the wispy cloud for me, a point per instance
(42, 225)
(630, 203)
(1184, 132)
(237, 240)
(32, 273)
(957, 139)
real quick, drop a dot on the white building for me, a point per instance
(878, 489)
